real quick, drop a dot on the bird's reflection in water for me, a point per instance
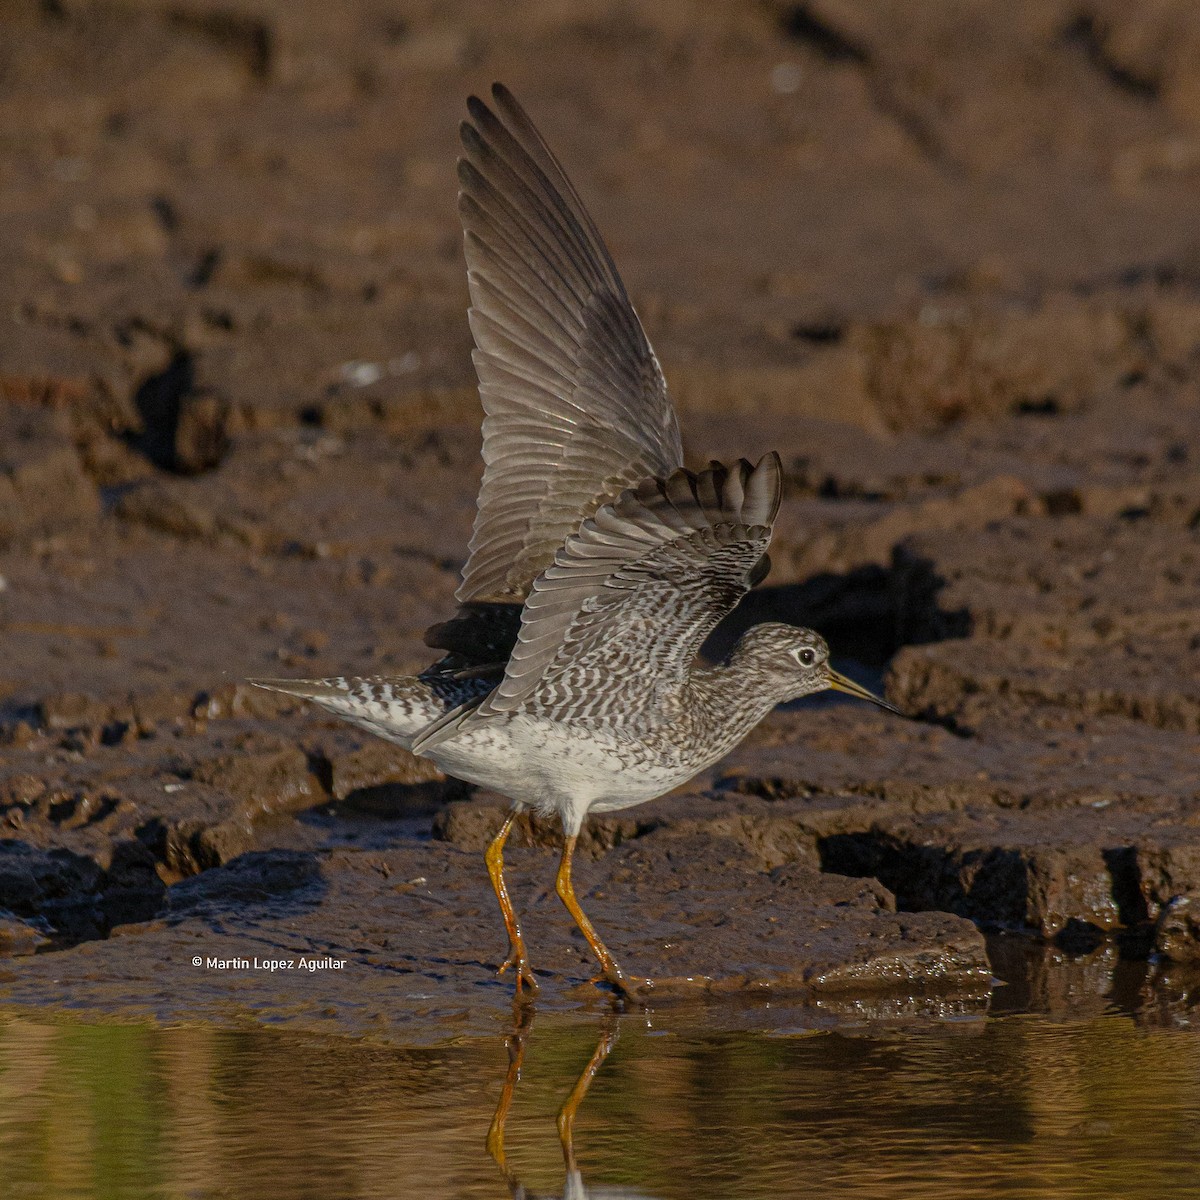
(574, 1187)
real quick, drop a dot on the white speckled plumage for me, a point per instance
(598, 564)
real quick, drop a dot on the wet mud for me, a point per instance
(239, 437)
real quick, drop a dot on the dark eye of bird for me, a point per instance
(807, 657)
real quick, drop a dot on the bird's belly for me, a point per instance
(550, 766)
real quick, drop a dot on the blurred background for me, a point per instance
(890, 239)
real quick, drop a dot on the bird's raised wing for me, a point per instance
(575, 404)
(624, 607)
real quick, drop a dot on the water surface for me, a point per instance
(1018, 1106)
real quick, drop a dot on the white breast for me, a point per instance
(552, 767)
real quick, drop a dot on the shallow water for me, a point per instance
(1019, 1106)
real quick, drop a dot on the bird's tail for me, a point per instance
(395, 708)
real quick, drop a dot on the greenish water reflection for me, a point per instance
(1015, 1107)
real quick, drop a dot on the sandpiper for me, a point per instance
(598, 564)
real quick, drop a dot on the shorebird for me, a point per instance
(598, 565)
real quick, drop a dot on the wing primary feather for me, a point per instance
(525, 170)
(562, 360)
(545, 158)
(527, 208)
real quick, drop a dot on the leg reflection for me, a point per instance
(516, 1044)
(566, 1114)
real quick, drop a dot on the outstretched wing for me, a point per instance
(624, 607)
(575, 404)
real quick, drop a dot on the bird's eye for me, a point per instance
(807, 657)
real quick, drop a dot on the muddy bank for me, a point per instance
(238, 436)
(403, 942)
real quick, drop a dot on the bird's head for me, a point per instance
(796, 663)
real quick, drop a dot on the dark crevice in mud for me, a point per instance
(819, 333)
(18, 719)
(912, 124)
(166, 213)
(278, 880)
(111, 496)
(70, 898)
(395, 801)
(1089, 36)
(321, 768)
(204, 268)
(765, 787)
(245, 37)
(833, 488)
(1065, 502)
(929, 715)
(854, 612)
(922, 879)
(919, 616)
(1039, 406)
(801, 24)
(158, 400)
(1179, 276)
(1122, 864)
(184, 428)
(65, 899)
(1000, 889)
(866, 614)
(53, 898)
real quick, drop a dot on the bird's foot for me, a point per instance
(631, 988)
(518, 961)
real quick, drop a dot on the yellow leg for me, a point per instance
(566, 1115)
(610, 971)
(516, 943)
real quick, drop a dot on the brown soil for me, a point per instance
(943, 258)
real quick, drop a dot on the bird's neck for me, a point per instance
(725, 702)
